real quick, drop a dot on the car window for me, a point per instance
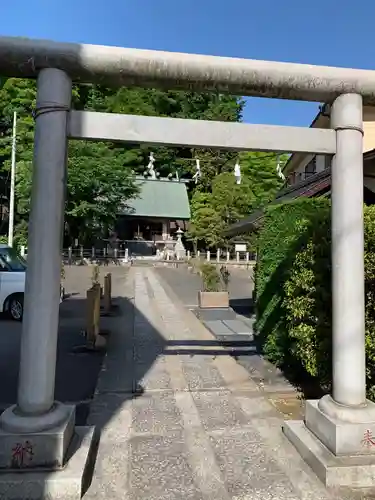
(11, 260)
(3, 266)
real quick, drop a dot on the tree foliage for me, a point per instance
(206, 224)
(228, 202)
(260, 170)
(100, 175)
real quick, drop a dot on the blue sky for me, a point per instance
(324, 32)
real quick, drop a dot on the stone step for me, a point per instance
(230, 329)
(238, 326)
(215, 314)
(235, 339)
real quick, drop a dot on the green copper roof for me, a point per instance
(162, 198)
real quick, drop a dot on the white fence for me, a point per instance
(118, 255)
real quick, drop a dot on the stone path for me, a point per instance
(201, 429)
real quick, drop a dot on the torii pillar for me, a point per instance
(37, 432)
(336, 438)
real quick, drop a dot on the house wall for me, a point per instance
(368, 136)
(298, 172)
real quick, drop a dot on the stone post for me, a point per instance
(208, 256)
(218, 255)
(179, 248)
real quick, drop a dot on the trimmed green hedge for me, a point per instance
(293, 289)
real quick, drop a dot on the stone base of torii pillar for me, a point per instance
(340, 452)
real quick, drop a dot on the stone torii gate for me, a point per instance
(335, 427)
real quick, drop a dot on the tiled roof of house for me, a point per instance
(315, 185)
(312, 186)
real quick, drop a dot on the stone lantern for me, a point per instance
(179, 248)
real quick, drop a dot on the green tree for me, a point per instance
(229, 202)
(213, 212)
(260, 171)
(93, 200)
(99, 177)
(177, 104)
(97, 185)
(206, 224)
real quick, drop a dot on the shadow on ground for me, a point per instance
(243, 306)
(76, 374)
(185, 286)
(127, 370)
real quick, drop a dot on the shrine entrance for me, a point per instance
(56, 66)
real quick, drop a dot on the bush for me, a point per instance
(210, 278)
(18, 241)
(224, 277)
(195, 264)
(214, 280)
(293, 289)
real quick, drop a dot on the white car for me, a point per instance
(12, 282)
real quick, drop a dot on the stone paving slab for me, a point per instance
(237, 340)
(230, 327)
(262, 372)
(152, 378)
(219, 410)
(267, 376)
(218, 327)
(246, 467)
(160, 469)
(215, 314)
(156, 414)
(201, 430)
(228, 337)
(237, 326)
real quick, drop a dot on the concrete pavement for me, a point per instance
(186, 285)
(180, 418)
